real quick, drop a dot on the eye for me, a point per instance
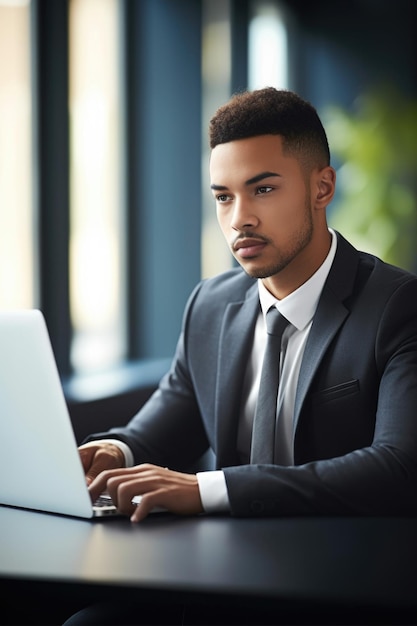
(264, 189)
(222, 197)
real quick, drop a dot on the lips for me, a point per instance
(249, 247)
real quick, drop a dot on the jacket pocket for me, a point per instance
(335, 393)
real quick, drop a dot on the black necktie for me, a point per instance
(263, 433)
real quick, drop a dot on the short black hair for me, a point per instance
(271, 111)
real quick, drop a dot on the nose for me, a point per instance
(243, 217)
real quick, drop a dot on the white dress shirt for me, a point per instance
(299, 308)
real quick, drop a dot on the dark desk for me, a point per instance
(363, 564)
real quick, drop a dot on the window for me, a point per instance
(97, 217)
(216, 86)
(100, 120)
(18, 287)
(268, 51)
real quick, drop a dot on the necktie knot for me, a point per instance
(276, 323)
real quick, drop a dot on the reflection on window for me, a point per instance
(97, 215)
(268, 62)
(17, 246)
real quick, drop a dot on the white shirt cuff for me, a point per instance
(213, 492)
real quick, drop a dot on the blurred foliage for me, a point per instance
(376, 202)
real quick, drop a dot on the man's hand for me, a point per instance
(97, 457)
(158, 486)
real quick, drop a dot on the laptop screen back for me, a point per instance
(39, 464)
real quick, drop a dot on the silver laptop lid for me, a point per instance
(39, 464)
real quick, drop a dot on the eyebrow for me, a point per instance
(250, 181)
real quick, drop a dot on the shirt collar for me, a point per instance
(300, 305)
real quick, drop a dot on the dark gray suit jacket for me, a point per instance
(355, 421)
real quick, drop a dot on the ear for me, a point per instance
(324, 187)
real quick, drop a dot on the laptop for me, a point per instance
(40, 467)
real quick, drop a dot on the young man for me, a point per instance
(346, 427)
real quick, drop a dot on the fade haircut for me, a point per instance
(271, 111)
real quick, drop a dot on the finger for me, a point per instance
(110, 480)
(148, 502)
(123, 486)
(182, 497)
(100, 482)
(97, 468)
(124, 483)
(106, 456)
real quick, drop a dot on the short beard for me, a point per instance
(301, 241)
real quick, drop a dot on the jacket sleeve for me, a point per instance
(168, 429)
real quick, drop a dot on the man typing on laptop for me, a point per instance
(342, 436)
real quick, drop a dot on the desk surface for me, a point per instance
(366, 561)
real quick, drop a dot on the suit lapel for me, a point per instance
(235, 344)
(330, 315)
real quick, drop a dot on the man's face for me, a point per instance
(263, 204)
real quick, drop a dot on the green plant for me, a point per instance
(376, 202)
